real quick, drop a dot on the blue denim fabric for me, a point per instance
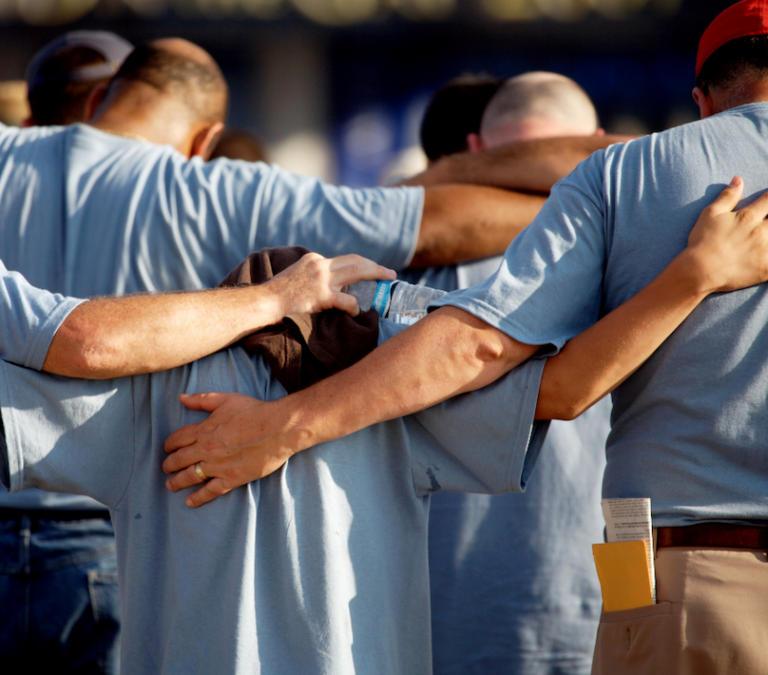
(59, 606)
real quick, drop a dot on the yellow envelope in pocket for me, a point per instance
(625, 579)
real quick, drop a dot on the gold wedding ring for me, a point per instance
(200, 473)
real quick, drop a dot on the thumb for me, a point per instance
(205, 401)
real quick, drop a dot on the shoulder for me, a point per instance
(14, 137)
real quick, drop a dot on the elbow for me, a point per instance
(548, 408)
(570, 411)
(559, 399)
(81, 351)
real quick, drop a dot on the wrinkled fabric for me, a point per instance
(318, 568)
(689, 425)
(87, 213)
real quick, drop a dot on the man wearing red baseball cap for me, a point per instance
(689, 426)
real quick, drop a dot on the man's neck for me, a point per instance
(741, 93)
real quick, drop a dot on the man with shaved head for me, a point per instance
(513, 583)
(535, 105)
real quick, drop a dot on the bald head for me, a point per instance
(537, 105)
(179, 70)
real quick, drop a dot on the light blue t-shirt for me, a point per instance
(87, 213)
(514, 587)
(319, 568)
(689, 425)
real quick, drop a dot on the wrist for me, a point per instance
(693, 276)
(269, 304)
(299, 423)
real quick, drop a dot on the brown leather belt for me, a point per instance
(714, 535)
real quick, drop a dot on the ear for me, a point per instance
(475, 143)
(95, 99)
(600, 132)
(202, 143)
(28, 122)
(704, 101)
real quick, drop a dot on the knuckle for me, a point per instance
(212, 446)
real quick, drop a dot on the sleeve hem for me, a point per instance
(529, 433)
(44, 335)
(501, 322)
(415, 226)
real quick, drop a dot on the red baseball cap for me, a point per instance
(748, 17)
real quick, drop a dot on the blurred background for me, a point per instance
(337, 88)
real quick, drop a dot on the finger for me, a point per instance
(212, 489)
(759, 207)
(183, 479)
(204, 401)
(728, 198)
(182, 437)
(182, 458)
(346, 303)
(349, 269)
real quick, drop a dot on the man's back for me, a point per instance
(319, 568)
(687, 424)
(88, 213)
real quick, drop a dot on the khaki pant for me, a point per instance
(711, 617)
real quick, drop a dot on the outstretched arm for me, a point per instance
(469, 210)
(468, 222)
(451, 352)
(112, 337)
(526, 166)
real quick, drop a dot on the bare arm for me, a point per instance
(726, 251)
(112, 337)
(447, 353)
(467, 222)
(527, 166)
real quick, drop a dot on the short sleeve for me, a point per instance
(378, 223)
(181, 223)
(486, 441)
(548, 287)
(67, 435)
(30, 319)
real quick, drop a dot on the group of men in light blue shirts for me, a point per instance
(687, 425)
(90, 212)
(322, 566)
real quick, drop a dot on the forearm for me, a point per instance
(527, 166)
(448, 353)
(113, 337)
(462, 223)
(596, 361)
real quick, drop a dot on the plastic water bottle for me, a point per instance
(397, 301)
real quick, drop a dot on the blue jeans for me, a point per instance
(59, 606)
